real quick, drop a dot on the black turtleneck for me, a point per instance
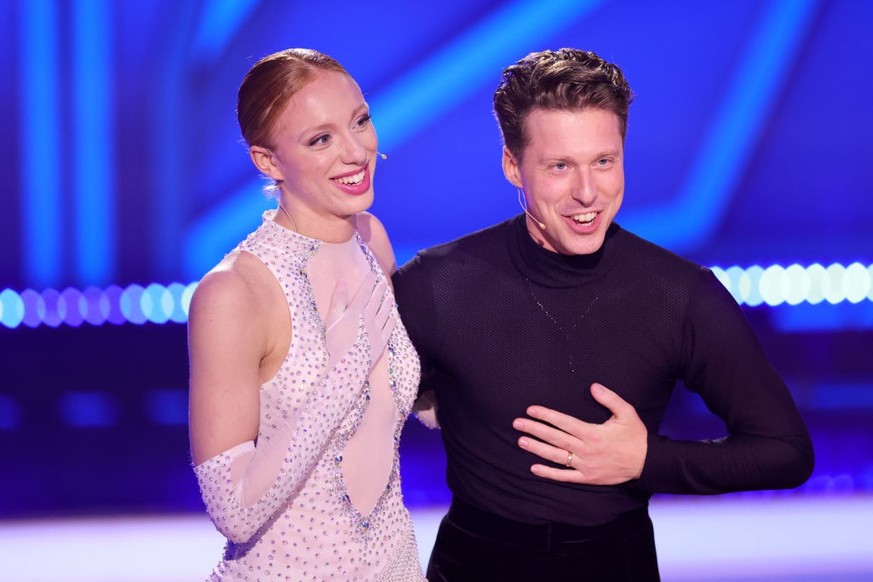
(554, 270)
(501, 323)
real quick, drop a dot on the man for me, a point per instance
(552, 342)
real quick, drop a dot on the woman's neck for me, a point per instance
(335, 230)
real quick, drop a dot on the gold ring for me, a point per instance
(569, 459)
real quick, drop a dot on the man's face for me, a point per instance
(572, 174)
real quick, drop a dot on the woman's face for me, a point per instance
(324, 154)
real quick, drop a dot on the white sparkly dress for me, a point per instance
(318, 497)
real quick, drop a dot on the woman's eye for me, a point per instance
(320, 140)
(364, 120)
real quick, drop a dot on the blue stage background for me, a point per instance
(123, 168)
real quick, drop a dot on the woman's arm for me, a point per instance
(247, 473)
(227, 341)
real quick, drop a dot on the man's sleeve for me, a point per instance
(767, 445)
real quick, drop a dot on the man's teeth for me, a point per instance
(352, 180)
(585, 218)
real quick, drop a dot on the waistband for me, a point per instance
(499, 529)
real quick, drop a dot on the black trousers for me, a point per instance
(474, 545)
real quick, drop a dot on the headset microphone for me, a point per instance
(521, 202)
(381, 155)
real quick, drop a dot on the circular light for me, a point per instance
(11, 308)
(96, 306)
(751, 279)
(798, 284)
(131, 304)
(115, 314)
(734, 275)
(818, 282)
(834, 291)
(178, 313)
(856, 282)
(772, 286)
(76, 306)
(189, 292)
(55, 308)
(34, 308)
(153, 305)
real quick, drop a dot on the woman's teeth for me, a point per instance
(585, 218)
(353, 180)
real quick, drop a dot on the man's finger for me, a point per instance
(555, 454)
(565, 422)
(564, 475)
(543, 432)
(618, 406)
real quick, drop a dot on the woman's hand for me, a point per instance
(371, 306)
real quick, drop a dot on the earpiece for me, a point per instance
(521, 202)
(381, 155)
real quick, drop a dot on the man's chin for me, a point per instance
(590, 245)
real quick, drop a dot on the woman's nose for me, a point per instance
(354, 151)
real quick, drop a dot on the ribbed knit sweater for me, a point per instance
(501, 323)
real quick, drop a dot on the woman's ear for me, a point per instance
(264, 161)
(510, 168)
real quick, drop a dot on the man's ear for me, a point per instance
(510, 168)
(263, 160)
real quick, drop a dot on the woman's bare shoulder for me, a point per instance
(236, 283)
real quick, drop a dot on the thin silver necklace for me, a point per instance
(565, 332)
(293, 224)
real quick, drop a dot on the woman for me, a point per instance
(301, 373)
